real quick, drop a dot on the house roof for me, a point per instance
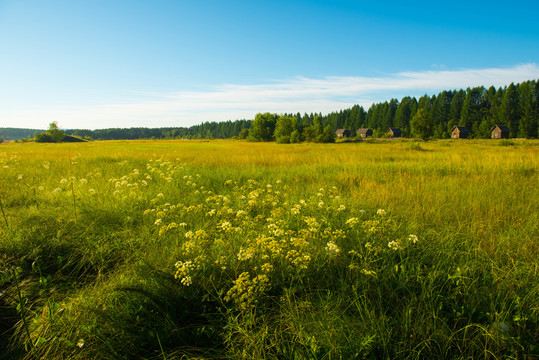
(363, 131)
(341, 131)
(462, 129)
(503, 128)
(394, 130)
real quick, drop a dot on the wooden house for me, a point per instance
(459, 132)
(394, 132)
(500, 132)
(342, 133)
(363, 133)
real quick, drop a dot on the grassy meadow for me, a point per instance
(229, 249)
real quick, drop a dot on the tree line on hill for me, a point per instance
(17, 133)
(477, 108)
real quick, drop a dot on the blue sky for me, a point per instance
(99, 64)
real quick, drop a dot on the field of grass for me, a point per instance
(229, 249)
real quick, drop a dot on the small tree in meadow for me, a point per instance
(53, 134)
(327, 136)
(284, 128)
(262, 127)
(243, 133)
(421, 124)
(296, 137)
(313, 132)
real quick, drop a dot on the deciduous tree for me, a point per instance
(283, 129)
(262, 127)
(53, 134)
(421, 124)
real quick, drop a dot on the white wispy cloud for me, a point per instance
(237, 101)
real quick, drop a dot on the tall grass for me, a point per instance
(224, 249)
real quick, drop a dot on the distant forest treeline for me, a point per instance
(208, 130)
(478, 108)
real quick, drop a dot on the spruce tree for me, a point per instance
(472, 108)
(456, 108)
(403, 113)
(528, 119)
(510, 110)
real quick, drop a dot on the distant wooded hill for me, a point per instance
(17, 134)
(478, 109)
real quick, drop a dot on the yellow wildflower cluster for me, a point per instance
(239, 238)
(130, 185)
(332, 249)
(246, 254)
(246, 292)
(257, 230)
(163, 230)
(185, 272)
(298, 259)
(69, 185)
(380, 226)
(403, 244)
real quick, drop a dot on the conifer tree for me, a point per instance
(510, 112)
(403, 114)
(528, 119)
(471, 114)
(456, 108)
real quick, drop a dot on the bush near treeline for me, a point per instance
(55, 135)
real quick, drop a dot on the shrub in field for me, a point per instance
(52, 135)
(421, 124)
(415, 145)
(506, 142)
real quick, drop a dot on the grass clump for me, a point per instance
(506, 142)
(415, 146)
